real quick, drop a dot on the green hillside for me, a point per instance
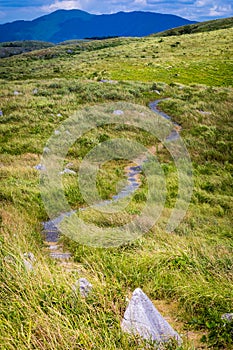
(186, 273)
(207, 26)
(192, 59)
(13, 48)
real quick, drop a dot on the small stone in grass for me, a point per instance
(84, 286)
(68, 171)
(227, 317)
(118, 112)
(40, 167)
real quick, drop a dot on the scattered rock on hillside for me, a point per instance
(84, 287)
(40, 167)
(1, 113)
(68, 171)
(16, 93)
(118, 112)
(204, 112)
(227, 317)
(142, 318)
(108, 81)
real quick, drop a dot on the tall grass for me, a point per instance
(188, 273)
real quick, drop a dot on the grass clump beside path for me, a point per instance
(188, 273)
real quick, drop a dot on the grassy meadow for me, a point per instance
(188, 274)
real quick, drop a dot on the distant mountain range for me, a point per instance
(64, 25)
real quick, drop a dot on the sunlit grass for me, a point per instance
(191, 267)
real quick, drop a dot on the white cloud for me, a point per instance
(140, 2)
(96, 6)
(65, 5)
(214, 8)
(217, 11)
(201, 3)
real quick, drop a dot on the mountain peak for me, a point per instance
(64, 25)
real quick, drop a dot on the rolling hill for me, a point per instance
(201, 27)
(8, 49)
(76, 24)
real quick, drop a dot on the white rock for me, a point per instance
(40, 167)
(84, 287)
(1, 113)
(118, 112)
(142, 318)
(54, 247)
(57, 132)
(16, 93)
(204, 112)
(109, 81)
(68, 171)
(227, 317)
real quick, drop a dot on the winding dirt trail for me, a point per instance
(51, 228)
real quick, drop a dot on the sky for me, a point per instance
(198, 10)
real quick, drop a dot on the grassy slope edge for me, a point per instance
(207, 26)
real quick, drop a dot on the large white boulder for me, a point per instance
(142, 318)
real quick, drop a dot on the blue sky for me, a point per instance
(198, 10)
